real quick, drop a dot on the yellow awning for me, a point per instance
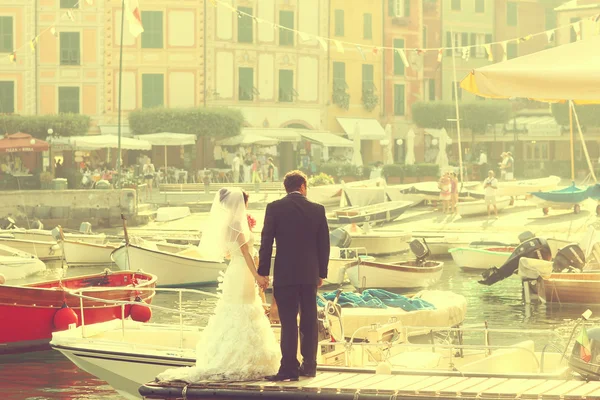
(568, 72)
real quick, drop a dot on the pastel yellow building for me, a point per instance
(355, 75)
(580, 12)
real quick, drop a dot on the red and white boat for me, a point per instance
(29, 313)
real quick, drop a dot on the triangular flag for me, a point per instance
(375, 51)
(577, 29)
(259, 20)
(550, 35)
(524, 38)
(322, 42)
(488, 50)
(13, 56)
(304, 36)
(466, 53)
(33, 43)
(402, 55)
(585, 351)
(214, 2)
(53, 31)
(339, 46)
(239, 13)
(362, 54)
(275, 27)
(419, 51)
(134, 17)
(70, 15)
(440, 55)
(504, 53)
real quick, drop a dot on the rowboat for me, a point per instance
(400, 275)
(28, 312)
(568, 197)
(480, 207)
(469, 258)
(164, 214)
(82, 253)
(182, 269)
(380, 243)
(578, 288)
(18, 267)
(524, 187)
(43, 235)
(44, 250)
(377, 213)
(431, 192)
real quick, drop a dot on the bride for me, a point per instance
(238, 343)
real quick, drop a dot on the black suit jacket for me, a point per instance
(299, 228)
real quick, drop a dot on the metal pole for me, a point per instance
(117, 184)
(460, 160)
(572, 144)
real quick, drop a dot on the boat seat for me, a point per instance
(416, 360)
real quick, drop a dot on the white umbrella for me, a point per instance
(168, 139)
(356, 156)
(442, 157)
(389, 155)
(410, 148)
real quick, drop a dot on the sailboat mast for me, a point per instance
(572, 144)
(118, 165)
(460, 160)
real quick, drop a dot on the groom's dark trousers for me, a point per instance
(299, 229)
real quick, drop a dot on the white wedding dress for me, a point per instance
(238, 343)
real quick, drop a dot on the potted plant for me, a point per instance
(46, 178)
(393, 173)
(369, 99)
(350, 172)
(410, 174)
(427, 172)
(320, 180)
(340, 97)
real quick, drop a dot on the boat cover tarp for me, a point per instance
(377, 298)
(570, 195)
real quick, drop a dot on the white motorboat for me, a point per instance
(440, 243)
(400, 275)
(374, 214)
(182, 269)
(42, 235)
(165, 214)
(331, 195)
(470, 258)
(82, 253)
(524, 187)
(430, 191)
(16, 264)
(44, 250)
(380, 243)
(479, 207)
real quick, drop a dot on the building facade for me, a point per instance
(583, 12)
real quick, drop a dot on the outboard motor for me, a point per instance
(7, 223)
(340, 238)
(585, 357)
(525, 236)
(569, 259)
(533, 248)
(420, 250)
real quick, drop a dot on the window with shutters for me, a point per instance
(286, 20)
(245, 25)
(69, 3)
(550, 18)
(479, 6)
(456, 85)
(152, 37)
(432, 90)
(153, 90)
(424, 37)
(511, 50)
(339, 74)
(449, 44)
(368, 26)
(68, 100)
(511, 13)
(70, 49)
(455, 5)
(399, 100)
(6, 35)
(478, 39)
(339, 23)
(246, 89)
(286, 85)
(368, 83)
(398, 64)
(7, 97)
(399, 8)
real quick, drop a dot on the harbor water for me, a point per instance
(49, 375)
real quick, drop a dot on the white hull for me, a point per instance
(368, 277)
(336, 271)
(43, 250)
(382, 243)
(477, 259)
(523, 188)
(326, 195)
(172, 270)
(164, 214)
(81, 253)
(46, 236)
(12, 267)
(480, 208)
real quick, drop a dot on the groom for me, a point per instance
(300, 230)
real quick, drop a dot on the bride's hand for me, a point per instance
(262, 281)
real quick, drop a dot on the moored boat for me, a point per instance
(431, 192)
(380, 243)
(524, 187)
(44, 250)
(43, 235)
(565, 198)
(479, 207)
(377, 213)
(577, 288)
(82, 253)
(27, 312)
(400, 275)
(469, 258)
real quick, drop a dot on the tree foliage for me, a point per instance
(476, 115)
(38, 125)
(589, 115)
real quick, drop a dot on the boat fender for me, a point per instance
(383, 368)
(2, 279)
(140, 312)
(64, 318)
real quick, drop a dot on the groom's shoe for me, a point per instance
(280, 377)
(305, 370)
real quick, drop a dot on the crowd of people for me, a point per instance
(253, 170)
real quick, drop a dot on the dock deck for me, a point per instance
(345, 385)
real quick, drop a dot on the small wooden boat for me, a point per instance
(577, 288)
(524, 187)
(43, 235)
(431, 192)
(82, 253)
(568, 197)
(469, 258)
(44, 250)
(380, 243)
(479, 207)
(182, 269)
(400, 275)
(165, 214)
(15, 267)
(377, 213)
(27, 312)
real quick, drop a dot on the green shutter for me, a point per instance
(480, 6)
(246, 89)
(153, 90)
(424, 37)
(69, 48)
(391, 6)
(573, 34)
(6, 35)
(286, 19)
(245, 25)
(464, 39)
(550, 18)
(7, 97)
(152, 37)
(432, 90)
(286, 85)
(488, 38)
(339, 73)
(407, 8)
(68, 100)
(511, 13)
(511, 50)
(449, 43)
(368, 26)
(367, 77)
(455, 5)
(69, 3)
(399, 100)
(398, 64)
(339, 22)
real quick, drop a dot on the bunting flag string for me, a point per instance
(362, 54)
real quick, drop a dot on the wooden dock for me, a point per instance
(351, 386)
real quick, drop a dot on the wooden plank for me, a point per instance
(436, 388)
(267, 385)
(417, 387)
(511, 388)
(595, 393)
(395, 382)
(562, 389)
(538, 391)
(319, 385)
(584, 390)
(483, 386)
(459, 387)
(373, 380)
(334, 386)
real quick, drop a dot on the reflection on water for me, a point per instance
(48, 375)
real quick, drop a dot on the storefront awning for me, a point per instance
(281, 134)
(168, 139)
(327, 139)
(248, 140)
(114, 130)
(369, 129)
(101, 142)
(21, 143)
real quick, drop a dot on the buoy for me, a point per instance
(140, 312)
(2, 279)
(64, 317)
(353, 227)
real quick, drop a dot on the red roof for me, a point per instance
(21, 142)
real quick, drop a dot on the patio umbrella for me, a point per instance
(389, 154)
(410, 148)
(443, 142)
(168, 139)
(356, 156)
(249, 139)
(21, 142)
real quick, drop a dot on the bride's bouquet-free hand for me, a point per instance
(251, 221)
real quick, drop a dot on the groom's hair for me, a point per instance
(294, 180)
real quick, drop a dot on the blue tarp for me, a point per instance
(377, 298)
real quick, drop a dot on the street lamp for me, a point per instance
(50, 163)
